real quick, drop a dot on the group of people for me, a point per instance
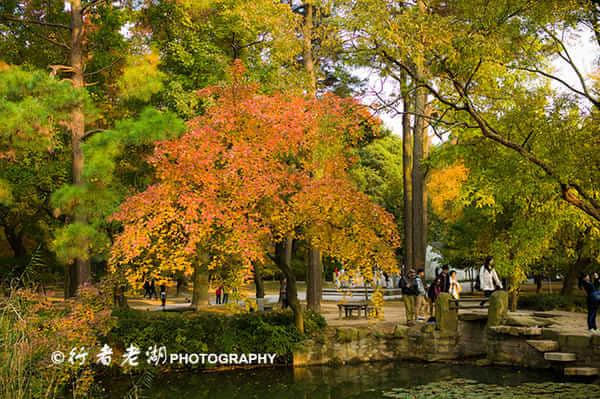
(419, 299)
(150, 291)
(221, 297)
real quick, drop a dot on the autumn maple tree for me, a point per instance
(254, 171)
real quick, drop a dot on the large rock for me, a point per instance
(581, 371)
(472, 316)
(560, 357)
(446, 316)
(522, 320)
(575, 341)
(516, 331)
(498, 308)
(543, 345)
(401, 331)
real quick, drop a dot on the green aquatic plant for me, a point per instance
(463, 388)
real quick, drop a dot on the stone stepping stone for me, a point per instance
(543, 345)
(546, 315)
(516, 331)
(581, 371)
(560, 356)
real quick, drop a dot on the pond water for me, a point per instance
(375, 380)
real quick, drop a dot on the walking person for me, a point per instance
(445, 279)
(488, 279)
(153, 290)
(421, 300)
(147, 289)
(225, 295)
(163, 295)
(218, 295)
(433, 292)
(455, 287)
(593, 301)
(408, 285)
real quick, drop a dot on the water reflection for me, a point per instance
(354, 381)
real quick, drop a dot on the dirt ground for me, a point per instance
(393, 311)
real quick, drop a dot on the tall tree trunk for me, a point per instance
(258, 281)
(570, 281)
(15, 240)
(314, 287)
(418, 171)
(82, 274)
(407, 164)
(308, 50)
(200, 289)
(282, 259)
(418, 182)
(315, 264)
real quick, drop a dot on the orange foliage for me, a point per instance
(253, 169)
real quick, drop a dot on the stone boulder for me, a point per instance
(498, 308)
(523, 320)
(446, 316)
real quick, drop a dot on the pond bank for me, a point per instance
(488, 338)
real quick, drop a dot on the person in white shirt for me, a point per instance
(455, 287)
(488, 278)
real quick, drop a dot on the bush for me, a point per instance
(32, 327)
(552, 302)
(203, 332)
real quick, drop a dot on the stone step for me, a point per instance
(560, 356)
(543, 345)
(581, 371)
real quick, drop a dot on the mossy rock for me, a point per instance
(400, 331)
(526, 321)
(498, 308)
(348, 334)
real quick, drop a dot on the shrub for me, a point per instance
(204, 332)
(552, 302)
(31, 328)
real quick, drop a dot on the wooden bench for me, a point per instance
(364, 307)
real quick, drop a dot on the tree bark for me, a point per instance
(570, 281)
(15, 241)
(119, 298)
(407, 165)
(282, 259)
(308, 50)
(258, 281)
(419, 208)
(315, 264)
(200, 290)
(82, 274)
(200, 283)
(314, 286)
(418, 172)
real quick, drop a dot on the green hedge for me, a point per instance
(552, 302)
(204, 332)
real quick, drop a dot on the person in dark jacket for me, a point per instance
(408, 285)
(147, 289)
(444, 277)
(434, 290)
(593, 300)
(153, 289)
